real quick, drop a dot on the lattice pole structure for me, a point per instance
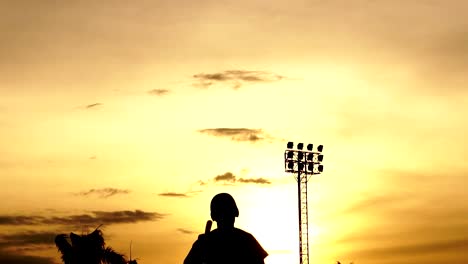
(303, 218)
(303, 164)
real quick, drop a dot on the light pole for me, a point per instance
(303, 163)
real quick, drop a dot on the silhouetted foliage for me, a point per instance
(88, 249)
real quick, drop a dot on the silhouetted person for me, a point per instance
(226, 244)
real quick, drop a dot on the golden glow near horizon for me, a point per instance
(156, 106)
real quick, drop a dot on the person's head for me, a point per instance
(224, 210)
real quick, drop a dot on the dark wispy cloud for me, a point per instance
(95, 105)
(235, 78)
(410, 222)
(158, 92)
(19, 220)
(187, 194)
(94, 218)
(441, 58)
(373, 202)
(174, 194)
(27, 238)
(185, 231)
(201, 183)
(229, 177)
(104, 192)
(15, 247)
(237, 134)
(100, 217)
(13, 258)
(256, 180)
(418, 249)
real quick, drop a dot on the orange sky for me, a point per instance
(125, 113)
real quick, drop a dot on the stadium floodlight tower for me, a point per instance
(303, 163)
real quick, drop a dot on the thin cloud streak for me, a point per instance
(185, 231)
(158, 92)
(19, 220)
(27, 238)
(257, 181)
(374, 203)
(95, 105)
(427, 248)
(409, 223)
(93, 219)
(14, 246)
(237, 134)
(235, 78)
(229, 177)
(14, 258)
(104, 192)
(173, 194)
(101, 217)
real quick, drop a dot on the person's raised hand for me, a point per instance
(208, 226)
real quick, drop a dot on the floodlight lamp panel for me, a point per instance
(320, 168)
(300, 156)
(310, 147)
(290, 155)
(320, 148)
(310, 156)
(300, 146)
(290, 145)
(290, 165)
(301, 166)
(320, 158)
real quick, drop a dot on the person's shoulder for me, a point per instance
(238, 233)
(242, 233)
(212, 233)
(251, 242)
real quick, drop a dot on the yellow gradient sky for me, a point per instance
(133, 114)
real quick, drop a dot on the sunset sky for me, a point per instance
(134, 114)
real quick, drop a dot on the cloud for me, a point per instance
(13, 245)
(411, 221)
(95, 218)
(426, 248)
(235, 78)
(201, 183)
(106, 218)
(173, 194)
(13, 258)
(19, 220)
(185, 231)
(104, 192)
(182, 194)
(440, 59)
(237, 134)
(228, 176)
(257, 181)
(158, 92)
(95, 105)
(375, 203)
(231, 178)
(27, 238)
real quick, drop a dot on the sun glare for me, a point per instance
(271, 215)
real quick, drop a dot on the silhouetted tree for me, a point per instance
(88, 249)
